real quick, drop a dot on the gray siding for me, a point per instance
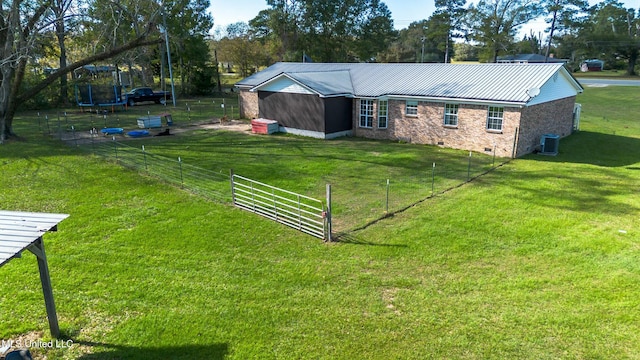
(337, 114)
(298, 111)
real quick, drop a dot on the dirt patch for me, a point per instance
(95, 135)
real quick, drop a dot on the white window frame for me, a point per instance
(411, 108)
(451, 115)
(495, 118)
(383, 114)
(366, 113)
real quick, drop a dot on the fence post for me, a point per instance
(494, 156)
(387, 206)
(433, 179)
(73, 131)
(59, 127)
(275, 204)
(144, 155)
(233, 191)
(469, 168)
(299, 215)
(328, 215)
(46, 118)
(181, 177)
(115, 147)
(224, 108)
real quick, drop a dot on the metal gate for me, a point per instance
(297, 211)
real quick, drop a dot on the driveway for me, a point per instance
(607, 82)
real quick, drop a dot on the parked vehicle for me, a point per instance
(145, 94)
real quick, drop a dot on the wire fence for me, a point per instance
(353, 207)
(210, 184)
(377, 197)
(358, 200)
(76, 123)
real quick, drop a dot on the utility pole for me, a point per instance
(166, 39)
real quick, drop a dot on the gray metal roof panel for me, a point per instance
(326, 83)
(487, 82)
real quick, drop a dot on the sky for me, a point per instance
(404, 12)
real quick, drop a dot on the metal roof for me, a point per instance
(18, 230)
(480, 82)
(326, 83)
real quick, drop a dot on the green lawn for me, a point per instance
(538, 259)
(612, 74)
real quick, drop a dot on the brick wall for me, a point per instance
(555, 117)
(428, 127)
(248, 104)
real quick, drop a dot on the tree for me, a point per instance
(465, 52)
(188, 22)
(450, 13)
(61, 9)
(614, 31)
(21, 23)
(408, 44)
(564, 15)
(326, 30)
(345, 30)
(530, 44)
(278, 28)
(239, 47)
(494, 23)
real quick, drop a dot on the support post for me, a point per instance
(433, 179)
(469, 168)
(515, 143)
(387, 205)
(38, 250)
(144, 155)
(328, 215)
(233, 191)
(494, 156)
(181, 175)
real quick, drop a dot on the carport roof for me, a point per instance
(504, 83)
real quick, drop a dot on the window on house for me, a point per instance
(383, 113)
(451, 114)
(411, 108)
(494, 118)
(366, 113)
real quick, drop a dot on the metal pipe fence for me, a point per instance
(298, 211)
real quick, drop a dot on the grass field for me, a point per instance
(538, 259)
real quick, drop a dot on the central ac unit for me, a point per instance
(549, 144)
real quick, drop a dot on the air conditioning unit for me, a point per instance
(549, 144)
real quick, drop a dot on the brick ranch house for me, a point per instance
(477, 107)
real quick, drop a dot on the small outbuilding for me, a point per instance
(504, 108)
(592, 65)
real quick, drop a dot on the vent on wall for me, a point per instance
(549, 144)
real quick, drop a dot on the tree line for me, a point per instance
(363, 31)
(44, 42)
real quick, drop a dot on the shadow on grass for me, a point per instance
(598, 149)
(213, 352)
(352, 239)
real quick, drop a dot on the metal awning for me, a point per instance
(21, 231)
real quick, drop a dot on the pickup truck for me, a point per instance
(145, 94)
